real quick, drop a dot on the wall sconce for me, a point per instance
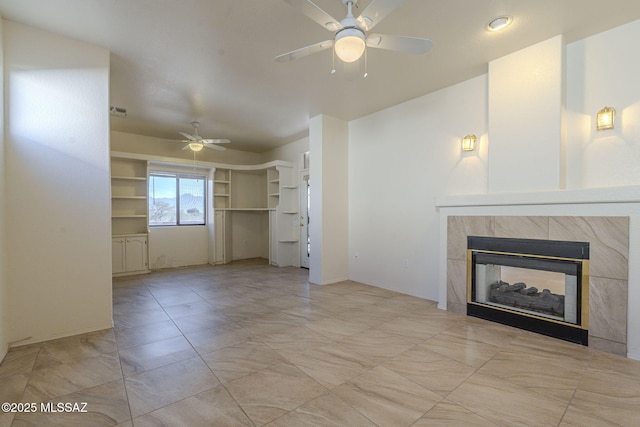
(469, 143)
(605, 118)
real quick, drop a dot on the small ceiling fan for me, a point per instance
(352, 35)
(196, 143)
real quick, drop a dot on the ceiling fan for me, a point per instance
(196, 143)
(352, 35)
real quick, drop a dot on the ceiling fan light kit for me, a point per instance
(196, 146)
(349, 44)
(351, 37)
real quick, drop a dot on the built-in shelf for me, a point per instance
(130, 197)
(130, 178)
(244, 209)
(290, 212)
(290, 187)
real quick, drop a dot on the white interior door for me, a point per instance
(305, 244)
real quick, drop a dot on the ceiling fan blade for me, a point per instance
(216, 141)
(376, 11)
(305, 51)
(214, 147)
(314, 12)
(405, 44)
(189, 137)
(186, 147)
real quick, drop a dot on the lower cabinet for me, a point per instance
(129, 254)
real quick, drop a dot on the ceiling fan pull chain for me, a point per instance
(333, 61)
(365, 63)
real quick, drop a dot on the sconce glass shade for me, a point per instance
(469, 143)
(196, 146)
(605, 118)
(349, 45)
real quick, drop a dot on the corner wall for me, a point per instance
(58, 187)
(4, 306)
(400, 160)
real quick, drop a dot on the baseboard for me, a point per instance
(36, 340)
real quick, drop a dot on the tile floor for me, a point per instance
(248, 344)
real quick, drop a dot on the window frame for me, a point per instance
(177, 176)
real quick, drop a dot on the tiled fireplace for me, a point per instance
(533, 284)
(602, 322)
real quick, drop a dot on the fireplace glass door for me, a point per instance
(539, 287)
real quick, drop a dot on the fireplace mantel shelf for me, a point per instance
(629, 194)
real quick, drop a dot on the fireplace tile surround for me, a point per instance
(609, 265)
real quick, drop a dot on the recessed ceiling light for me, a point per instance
(499, 23)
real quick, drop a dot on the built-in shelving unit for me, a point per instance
(240, 194)
(129, 216)
(252, 209)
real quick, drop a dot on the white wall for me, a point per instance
(57, 194)
(603, 70)
(4, 306)
(178, 246)
(400, 160)
(291, 152)
(526, 91)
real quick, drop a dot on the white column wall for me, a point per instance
(328, 228)
(526, 92)
(58, 224)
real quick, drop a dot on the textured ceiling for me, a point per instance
(173, 61)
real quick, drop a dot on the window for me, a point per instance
(165, 208)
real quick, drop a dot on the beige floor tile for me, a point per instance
(376, 345)
(456, 347)
(137, 318)
(154, 389)
(59, 380)
(298, 338)
(555, 377)
(208, 340)
(214, 407)
(335, 329)
(106, 405)
(19, 360)
(145, 334)
(231, 363)
(201, 321)
(577, 418)
(330, 365)
(272, 392)
(188, 308)
(327, 411)
(610, 396)
(65, 350)
(431, 370)
(387, 398)
(153, 355)
(448, 414)
(507, 404)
